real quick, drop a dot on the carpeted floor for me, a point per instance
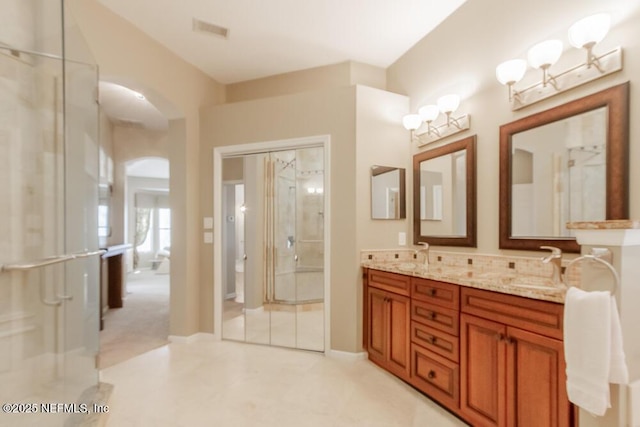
(142, 324)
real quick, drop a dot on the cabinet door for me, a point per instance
(536, 392)
(399, 356)
(483, 371)
(377, 334)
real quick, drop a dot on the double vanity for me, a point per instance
(481, 334)
(484, 342)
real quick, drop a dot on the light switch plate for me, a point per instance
(208, 237)
(207, 223)
(402, 238)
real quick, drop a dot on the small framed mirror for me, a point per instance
(444, 195)
(566, 164)
(388, 199)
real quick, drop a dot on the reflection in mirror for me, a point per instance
(431, 191)
(566, 164)
(559, 175)
(388, 200)
(444, 195)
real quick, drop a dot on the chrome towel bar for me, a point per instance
(30, 265)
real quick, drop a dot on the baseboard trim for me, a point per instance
(346, 355)
(200, 336)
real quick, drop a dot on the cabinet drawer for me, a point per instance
(436, 341)
(440, 293)
(435, 376)
(391, 282)
(436, 316)
(543, 317)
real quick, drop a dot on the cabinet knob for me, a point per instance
(433, 339)
(510, 340)
(433, 315)
(499, 337)
(431, 375)
(433, 292)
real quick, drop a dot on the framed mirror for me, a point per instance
(444, 195)
(566, 164)
(388, 199)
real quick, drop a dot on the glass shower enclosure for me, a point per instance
(49, 257)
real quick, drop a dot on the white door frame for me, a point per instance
(260, 147)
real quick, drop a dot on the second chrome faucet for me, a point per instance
(424, 250)
(555, 258)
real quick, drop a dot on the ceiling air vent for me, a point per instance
(213, 29)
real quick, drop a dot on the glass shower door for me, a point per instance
(48, 234)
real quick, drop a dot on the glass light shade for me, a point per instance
(545, 53)
(589, 30)
(448, 103)
(411, 121)
(429, 113)
(511, 71)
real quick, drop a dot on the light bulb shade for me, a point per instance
(545, 53)
(429, 113)
(590, 30)
(448, 103)
(512, 71)
(411, 121)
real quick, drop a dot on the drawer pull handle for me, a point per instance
(431, 375)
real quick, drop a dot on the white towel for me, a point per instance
(592, 349)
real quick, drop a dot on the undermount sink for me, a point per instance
(532, 282)
(410, 266)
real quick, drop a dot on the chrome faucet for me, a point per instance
(555, 258)
(424, 250)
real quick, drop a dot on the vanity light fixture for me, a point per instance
(427, 114)
(584, 34)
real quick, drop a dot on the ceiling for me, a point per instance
(278, 36)
(271, 37)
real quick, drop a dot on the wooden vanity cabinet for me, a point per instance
(511, 375)
(388, 313)
(435, 330)
(491, 358)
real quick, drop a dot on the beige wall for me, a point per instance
(343, 74)
(461, 56)
(363, 124)
(331, 112)
(126, 55)
(380, 141)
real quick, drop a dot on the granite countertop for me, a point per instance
(535, 287)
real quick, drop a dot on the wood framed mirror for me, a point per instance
(444, 195)
(388, 200)
(566, 164)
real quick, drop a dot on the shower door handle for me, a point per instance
(295, 257)
(244, 257)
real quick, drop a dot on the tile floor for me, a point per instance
(210, 383)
